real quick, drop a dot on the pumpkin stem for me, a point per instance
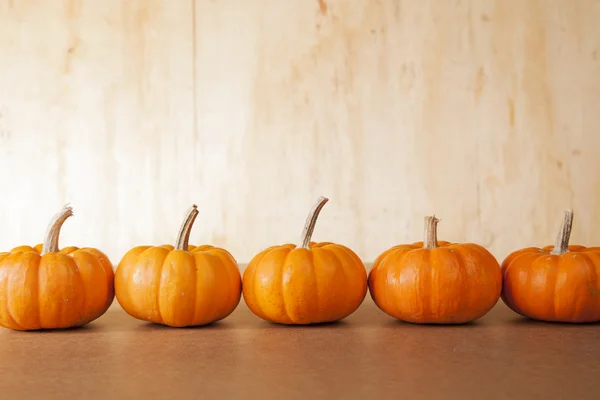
(53, 231)
(311, 220)
(430, 241)
(562, 241)
(183, 237)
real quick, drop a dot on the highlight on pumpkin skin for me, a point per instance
(435, 282)
(305, 284)
(37, 248)
(181, 285)
(558, 283)
(64, 289)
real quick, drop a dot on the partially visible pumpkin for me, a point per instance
(559, 283)
(178, 286)
(435, 282)
(48, 289)
(305, 284)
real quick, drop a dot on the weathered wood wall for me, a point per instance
(485, 112)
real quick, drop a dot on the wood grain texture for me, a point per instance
(485, 113)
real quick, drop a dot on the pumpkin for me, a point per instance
(435, 282)
(559, 283)
(305, 284)
(44, 288)
(178, 286)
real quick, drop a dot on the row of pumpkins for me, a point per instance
(432, 281)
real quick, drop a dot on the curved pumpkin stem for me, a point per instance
(53, 232)
(562, 241)
(311, 221)
(183, 237)
(430, 241)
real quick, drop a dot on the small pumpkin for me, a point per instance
(306, 284)
(559, 283)
(178, 286)
(44, 288)
(435, 282)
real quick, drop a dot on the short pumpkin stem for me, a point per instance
(183, 237)
(309, 226)
(562, 241)
(53, 232)
(430, 241)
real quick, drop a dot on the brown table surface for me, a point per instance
(368, 355)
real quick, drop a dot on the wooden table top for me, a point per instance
(368, 355)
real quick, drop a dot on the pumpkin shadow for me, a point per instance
(525, 321)
(151, 326)
(88, 328)
(332, 325)
(414, 325)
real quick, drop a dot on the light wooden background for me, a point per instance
(486, 113)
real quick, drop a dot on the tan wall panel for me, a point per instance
(483, 112)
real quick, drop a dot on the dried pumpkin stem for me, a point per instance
(562, 241)
(309, 226)
(430, 241)
(53, 232)
(183, 237)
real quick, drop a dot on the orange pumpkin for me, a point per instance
(44, 288)
(435, 282)
(178, 286)
(559, 283)
(311, 283)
